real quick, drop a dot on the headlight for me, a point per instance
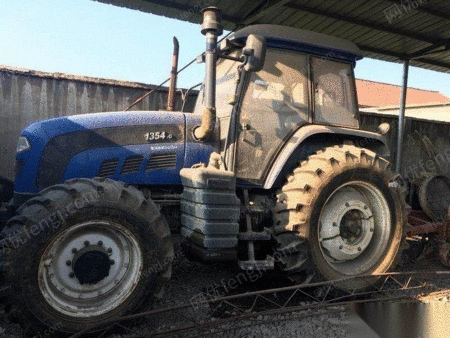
(23, 144)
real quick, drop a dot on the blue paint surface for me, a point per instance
(87, 163)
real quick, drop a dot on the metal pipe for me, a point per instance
(401, 117)
(173, 76)
(211, 28)
(210, 75)
(162, 83)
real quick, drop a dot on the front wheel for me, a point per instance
(338, 205)
(83, 252)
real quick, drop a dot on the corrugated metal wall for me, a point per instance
(30, 96)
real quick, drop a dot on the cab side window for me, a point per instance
(334, 93)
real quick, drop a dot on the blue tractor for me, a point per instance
(271, 170)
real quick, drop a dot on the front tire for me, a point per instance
(84, 252)
(339, 213)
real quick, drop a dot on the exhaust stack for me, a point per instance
(173, 76)
(211, 28)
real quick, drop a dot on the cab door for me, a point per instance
(276, 103)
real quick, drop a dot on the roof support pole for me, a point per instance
(401, 117)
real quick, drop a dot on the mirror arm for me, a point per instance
(233, 58)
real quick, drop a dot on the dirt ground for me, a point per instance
(191, 279)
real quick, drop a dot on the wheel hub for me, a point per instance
(91, 265)
(90, 268)
(351, 225)
(347, 225)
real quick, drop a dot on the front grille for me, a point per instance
(132, 164)
(161, 161)
(108, 167)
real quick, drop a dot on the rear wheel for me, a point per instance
(84, 252)
(339, 217)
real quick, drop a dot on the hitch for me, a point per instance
(420, 226)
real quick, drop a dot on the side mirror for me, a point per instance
(255, 52)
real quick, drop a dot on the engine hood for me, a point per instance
(139, 148)
(79, 145)
(75, 123)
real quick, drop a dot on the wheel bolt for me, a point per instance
(365, 207)
(74, 250)
(68, 263)
(99, 243)
(347, 205)
(371, 229)
(86, 243)
(111, 262)
(340, 246)
(71, 275)
(334, 224)
(109, 250)
(359, 249)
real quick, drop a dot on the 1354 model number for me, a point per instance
(157, 135)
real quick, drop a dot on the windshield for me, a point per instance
(226, 82)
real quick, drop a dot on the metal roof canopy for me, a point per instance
(390, 30)
(415, 32)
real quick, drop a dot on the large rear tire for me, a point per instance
(338, 216)
(84, 252)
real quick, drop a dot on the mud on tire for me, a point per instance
(83, 252)
(338, 216)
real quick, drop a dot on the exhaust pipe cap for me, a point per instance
(212, 16)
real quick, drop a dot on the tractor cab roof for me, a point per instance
(303, 41)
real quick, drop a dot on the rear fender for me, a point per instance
(312, 138)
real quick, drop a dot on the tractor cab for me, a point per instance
(303, 78)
